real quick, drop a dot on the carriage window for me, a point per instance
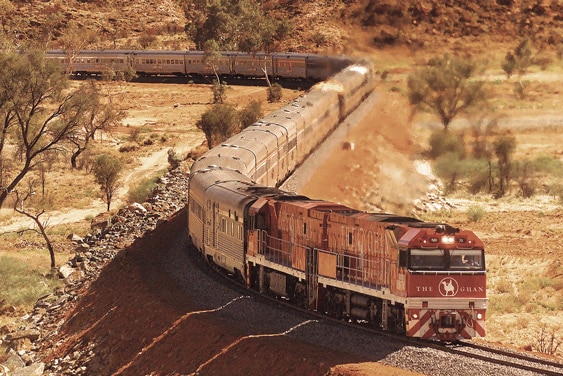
(425, 259)
(466, 259)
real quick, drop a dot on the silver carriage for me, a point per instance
(151, 63)
(218, 199)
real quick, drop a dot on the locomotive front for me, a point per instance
(445, 283)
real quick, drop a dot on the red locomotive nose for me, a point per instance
(448, 326)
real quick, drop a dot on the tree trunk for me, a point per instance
(41, 230)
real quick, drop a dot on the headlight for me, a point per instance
(448, 240)
(479, 316)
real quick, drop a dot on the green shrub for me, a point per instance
(275, 93)
(142, 191)
(503, 304)
(174, 159)
(475, 213)
(442, 143)
(128, 147)
(504, 286)
(251, 113)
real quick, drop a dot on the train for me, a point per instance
(395, 273)
(278, 66)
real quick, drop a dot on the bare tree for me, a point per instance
(19, 206)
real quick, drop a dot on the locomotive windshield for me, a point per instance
(468, 259)
(423, 259)
(439, 259)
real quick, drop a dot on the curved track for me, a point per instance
(467, 349)
(507, 358)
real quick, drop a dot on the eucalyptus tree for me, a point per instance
(239, 25)
(447, 88)
(107, 170)
(98, 116)
(38, 112)
(218, 124)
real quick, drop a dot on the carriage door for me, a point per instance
(211, 223)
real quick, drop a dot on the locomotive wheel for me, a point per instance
(332, 305)
(300, 296)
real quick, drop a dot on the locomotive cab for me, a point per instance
(445, 283)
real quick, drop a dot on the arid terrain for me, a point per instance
(523, 237)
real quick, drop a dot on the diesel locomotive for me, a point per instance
(396, 273)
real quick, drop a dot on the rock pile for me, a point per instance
(110, 235)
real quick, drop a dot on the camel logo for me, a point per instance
(448, 287)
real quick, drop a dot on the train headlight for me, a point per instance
(448, 240)
(479, 316)
(415, 316)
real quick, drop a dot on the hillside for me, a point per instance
(319, 25)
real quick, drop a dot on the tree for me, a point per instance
(219, 123)
(38, 113)
(97, 117)
(215, 22)
(174, 159)
(260, 32)
(519, 59)
(523, 55)
(236, 25)
(107, 169)
(75, 39)
(450, 142)
(19, 206)
(251, 113)
(275, 93)
(504, 147)
(509, 64)
(445, 87)
(212, 58)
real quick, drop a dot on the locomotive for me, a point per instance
(396, 273)
(279, 65)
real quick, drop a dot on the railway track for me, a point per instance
(507, 358)
(488, 354)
